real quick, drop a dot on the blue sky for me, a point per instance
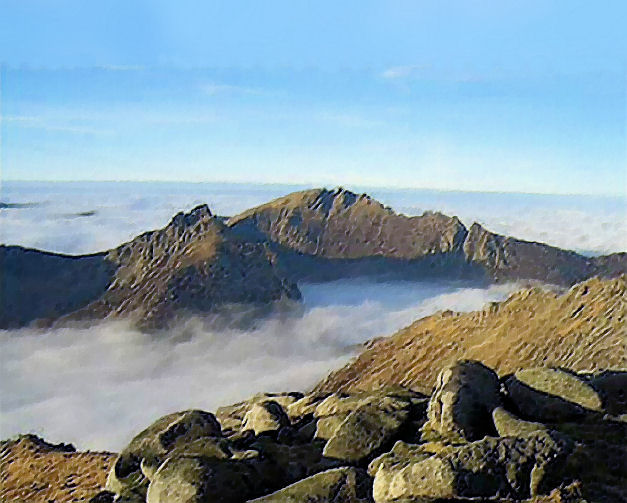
(512, 96)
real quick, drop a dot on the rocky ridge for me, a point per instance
(582, 329)
(200, 263)
(361, 236)
(193, 265)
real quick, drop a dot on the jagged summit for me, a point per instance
(339, 224)
(336, 226)
(195, 264)
(200, 212)
(320, 200)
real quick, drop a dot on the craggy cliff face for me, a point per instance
(342, 225)
(194, 264)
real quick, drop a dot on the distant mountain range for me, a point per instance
(201, 262)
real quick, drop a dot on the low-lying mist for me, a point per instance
(98, 386)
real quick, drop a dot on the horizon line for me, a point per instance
(325, 185)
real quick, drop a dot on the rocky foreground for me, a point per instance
(201, 263)
(540, 434)
(416, 418)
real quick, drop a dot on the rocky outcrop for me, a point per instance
(377, 453)
(487, 452)
(339, 485)
(508, 467)
(461, 406)
(265, 416)
(547, 394)
(136, 465)
(194, 265)
(367, 428)
(582, 329)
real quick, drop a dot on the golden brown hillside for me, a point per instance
(34, 471)
(582, 329)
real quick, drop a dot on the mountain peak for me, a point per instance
(338, 223)
(200, 212)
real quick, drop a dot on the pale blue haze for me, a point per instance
(465, 95)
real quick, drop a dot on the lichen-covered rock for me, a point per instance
(231, 417)
(150, 447)
(304, 406)
(341, 403)
(328, 425)
(505, 467)
(551, 395)
(460, 408)
(339, 485)
(203, 480)
(508, 425)
(208, 447)
(344, 403)
(265, 416)
(566, 385)
(367, 429)
(290, 463)
(402, 452)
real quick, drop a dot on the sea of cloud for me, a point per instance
(98, 386)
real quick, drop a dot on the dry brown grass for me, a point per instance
(582, 329)
(36, 472)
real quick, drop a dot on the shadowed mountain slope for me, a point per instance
(36, 285)
(582, 329)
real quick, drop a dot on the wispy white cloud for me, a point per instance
(415, 72)
(34, 122)
(106, 122)
(401, 72)
(213, 89)
(19, 118)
